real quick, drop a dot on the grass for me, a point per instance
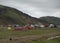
(57, 40)
(5, 34)
(42, 40)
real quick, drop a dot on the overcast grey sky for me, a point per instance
(35, 8)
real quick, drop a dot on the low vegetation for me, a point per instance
(10, 16)
(33, 36)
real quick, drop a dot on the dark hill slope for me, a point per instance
(51, 19)
(10, 15)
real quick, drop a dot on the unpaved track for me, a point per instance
(29, 37)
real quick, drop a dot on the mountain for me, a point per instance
(51, 19)
(10, 15)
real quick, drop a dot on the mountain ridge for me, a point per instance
(52, 19)
(10, 15)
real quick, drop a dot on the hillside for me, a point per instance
(10, 15)
(51, 19)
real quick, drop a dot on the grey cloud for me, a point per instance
(47, 7)
(53, 4)
(42, 3)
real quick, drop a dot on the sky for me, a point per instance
(35, 8)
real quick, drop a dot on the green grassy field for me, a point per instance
(56, 40)
(29, 36)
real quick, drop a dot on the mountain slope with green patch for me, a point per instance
(51, 19)
(10, 15)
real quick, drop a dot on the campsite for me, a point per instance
(17, 26)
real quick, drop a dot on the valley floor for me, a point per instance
(29, 36)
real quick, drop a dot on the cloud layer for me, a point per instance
(35, 8)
